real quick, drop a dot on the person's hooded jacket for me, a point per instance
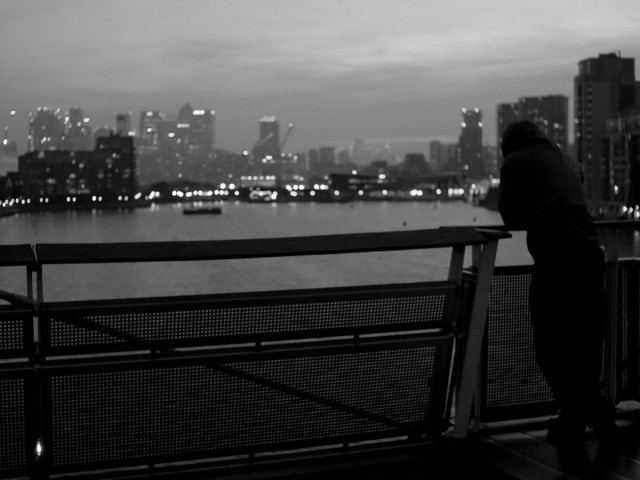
(541, 192)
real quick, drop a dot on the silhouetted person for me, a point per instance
(541, 192)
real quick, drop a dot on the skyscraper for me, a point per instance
(604, 86)
(550, 113)
(506, 113)
(196, 130)
(269, 143)
(46, 128)
(123, 123)
(470, 144)
(151, 130)
(77, 131)
(621, 151)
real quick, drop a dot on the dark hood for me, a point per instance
(522, 134)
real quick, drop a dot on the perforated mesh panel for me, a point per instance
(106, 417)
(628, 324)
(513, 385)
(12, 331)
(12, 425)
(173, 321)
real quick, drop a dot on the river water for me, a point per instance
(241, 220)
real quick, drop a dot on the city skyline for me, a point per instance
(337, 70)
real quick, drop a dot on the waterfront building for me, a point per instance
(123, 124)
(360, 154)
(77, 131)
(46, 128)
(151, 131)
(344, 157)
(268, 145)
(550, 113)
(106, 174)
(196, 130)
(322, 161)
(326, 159)
(506, 113)
(8, 156)
(490, 156)
(470, 159)
(313, 160)
(442, 156)
(621, 153)
(100, 132)
(604, 87)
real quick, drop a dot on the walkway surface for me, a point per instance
(507, 454)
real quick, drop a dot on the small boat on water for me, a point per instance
(202, 210)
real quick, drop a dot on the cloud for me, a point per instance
(395, 66)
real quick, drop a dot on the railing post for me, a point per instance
(472, 354)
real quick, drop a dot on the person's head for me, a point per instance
(522, 134)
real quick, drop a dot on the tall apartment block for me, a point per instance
(621, 151)
(269, 143)
(470, 144)
(196, 130)
(46, 129)
(77, 131)
(151, 131)
(506, 113)
(549, 112)
(604, 88)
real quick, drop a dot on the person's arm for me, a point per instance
(527, 190)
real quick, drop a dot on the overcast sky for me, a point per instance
(382, 69)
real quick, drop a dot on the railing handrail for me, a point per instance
(16, 255)
(600, 224)
(83, 253)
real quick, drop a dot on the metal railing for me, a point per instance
(512, 386)
(149, 385)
